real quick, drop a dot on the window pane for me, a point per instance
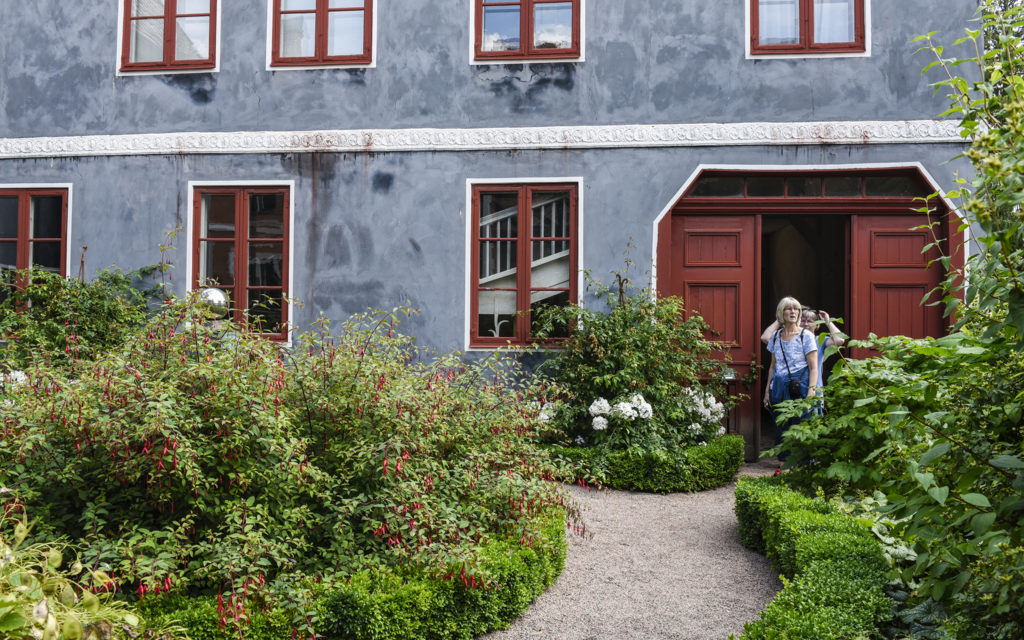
(147, 41)
(550, 214)
(265, 259)
(766, 187)
(8, 255)
(347, 4)
(891, 186)
(217, 263)
(298, 35)
(719, 186)
(9, 217)
(147, 8)
(499, 215)
(265, 310)
(496, 315)
(46, 213)
(833, 21)
(193, 6)
(778, 21)
(45, 255)
(218, 212)
(552, 25)
(266, 215)
(345, 33)
(844, 186)
(804, 187)
(500, 29)
(551, 269)
(498, 263)
(298, 5)
(542, 299)
(192, 39)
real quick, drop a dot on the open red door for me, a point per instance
(715, 269)
(889, 277)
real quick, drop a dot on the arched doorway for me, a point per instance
(850, 241)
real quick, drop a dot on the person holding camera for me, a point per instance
(793, 372)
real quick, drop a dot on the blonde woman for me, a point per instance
(793, 372)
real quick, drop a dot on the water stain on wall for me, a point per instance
(525, 86)
(199, 86)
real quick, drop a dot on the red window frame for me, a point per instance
(320, 56)
(241, 240)
(169, 15)
(807, 43)
(524, 238)
(526, 31)
(24, 238)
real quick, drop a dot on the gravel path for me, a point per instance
(656, 567)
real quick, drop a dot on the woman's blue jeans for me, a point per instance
(779, 392)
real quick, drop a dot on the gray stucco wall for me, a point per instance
(384, 229)
(647, 61)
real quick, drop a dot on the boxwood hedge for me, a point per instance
(833, 567)
(657, 471)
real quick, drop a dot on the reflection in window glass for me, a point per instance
(45, 255)
(766, 187)
(266, 215)
(345, 33)
(9, 217)
(842, 186)
(147, 40)
(833, 21)
(218, 216)
(192, 38)
(719, 186)
(803, 187)
(778, 21)
(266, 310)
(265, 264)
(8, 256)
(217, 263)
(552, 25)
(500, 29)
(46, 213)
(193, 6)
(298, 5)
(891, 186)
(298, 35)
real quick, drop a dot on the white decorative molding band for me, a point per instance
(487, 139)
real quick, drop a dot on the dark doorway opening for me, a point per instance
(803, 256)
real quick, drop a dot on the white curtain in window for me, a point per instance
(833, 21)
(778, 21)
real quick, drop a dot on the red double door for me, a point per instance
(715, 265)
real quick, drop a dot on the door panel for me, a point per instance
(716, 270)
(889, 277)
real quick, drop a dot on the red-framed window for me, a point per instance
(33, 229)
(169, 35)
(519, 29)
(240, 245)
(322, 32)
(524, 257)
(806, 26)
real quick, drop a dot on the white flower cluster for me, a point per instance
(635, 407)
(15, 378)
(703, 404)
(547, 412)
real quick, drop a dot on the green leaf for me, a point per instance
(863, 401)
(977, 500)
(934, 453)
(939, 494)
(1007, 462)
(982, 522)
(12, 620)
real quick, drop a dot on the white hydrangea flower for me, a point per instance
(637, 400)
(720, 432)
(15, 378)
(625, 410)
(546, 413)
(600, 423)
(600, 407)
(695, 427)
(645, 411)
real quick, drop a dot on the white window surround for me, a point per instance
(51, 185)
(796, 56)
(739, 168)
(270, 46)
(162, 72)
(190, 228)
(525, 60)
(467, 215)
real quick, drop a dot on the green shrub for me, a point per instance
(641, 375)
(837, 568)
(211, 461)
(696, 468)
(45, 316)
